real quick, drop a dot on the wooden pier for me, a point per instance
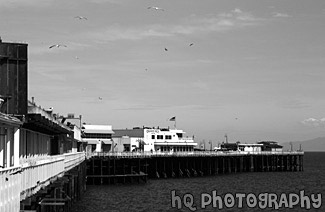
(113, 168)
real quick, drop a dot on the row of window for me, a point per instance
(167, 137)
(97, 135)
(176, 148)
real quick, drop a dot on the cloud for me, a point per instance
(201, 85)
(281, 15)
(312, 122)
(105, 1)
(194, 24)
(293, 104)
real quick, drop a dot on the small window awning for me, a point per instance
(92, 142)
(97, 141)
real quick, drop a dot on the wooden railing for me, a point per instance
(73, 159)
(21, 182)
(36, 173)
(9, 189)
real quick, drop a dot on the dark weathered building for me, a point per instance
(13, 78)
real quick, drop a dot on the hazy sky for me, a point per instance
(255, 71)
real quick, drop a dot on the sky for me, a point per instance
(254, 71)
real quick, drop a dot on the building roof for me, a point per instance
(270, 144)
(129, 132)
(40, 120)
(250, 144)
(7, 119)
(98, 129)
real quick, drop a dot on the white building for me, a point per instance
(152, 139)
(98, 137)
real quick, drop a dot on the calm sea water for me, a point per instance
(156, 195)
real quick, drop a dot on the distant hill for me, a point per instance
(317, 144)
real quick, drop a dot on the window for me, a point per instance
(152, 136)
(168, 137)
(160, 137)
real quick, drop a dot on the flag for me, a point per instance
(173, 118)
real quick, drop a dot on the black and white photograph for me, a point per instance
(161, 105)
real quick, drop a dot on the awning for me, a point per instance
(40, 123)
(92, 142)
(98, 131)
(97, 141)
(107, 142)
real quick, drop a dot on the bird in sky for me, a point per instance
(166, 49)
(57, 45)
(191, 44)
(156, 8)
(81, 17)
(100, 98)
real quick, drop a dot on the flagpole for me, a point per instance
(173, 119)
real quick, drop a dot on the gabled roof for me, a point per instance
(99, 129)
(135, 133)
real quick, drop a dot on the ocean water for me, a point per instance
(257, 191)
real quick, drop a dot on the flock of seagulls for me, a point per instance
(85, 18)
(61, 45)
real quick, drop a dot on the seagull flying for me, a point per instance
(57, 45)
(81, 17)
(156, 8)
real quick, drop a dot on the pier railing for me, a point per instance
(189, 154)
(33, 173)
(10, 185)
(73, 159)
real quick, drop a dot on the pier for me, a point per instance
(114, 168)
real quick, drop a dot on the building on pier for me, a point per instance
(270, 146)
(153, 140)
(98, 137)
(78, 144)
